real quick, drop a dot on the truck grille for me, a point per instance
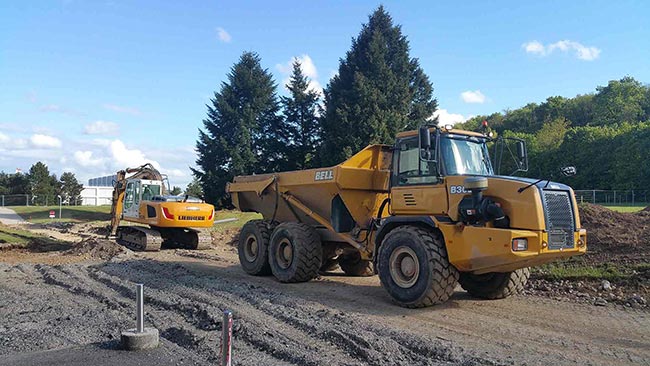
(560, 223)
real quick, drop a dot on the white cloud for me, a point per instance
(44, 141)
(85, 159)
(308, 69)
(587, 53)
(122, 109)
(3, 138)
(446, 118)
(124, 157)
(101, 128)
(475, 96)
(534, 47)
(223, 35)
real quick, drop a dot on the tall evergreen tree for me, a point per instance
(301, 111)
(379, 91)
(243, 133)
(42, 184)
(69, 188)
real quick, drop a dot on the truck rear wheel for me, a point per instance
(414, 267)
(253, 247)
(295, 252)
(495, 285)
(353, 265)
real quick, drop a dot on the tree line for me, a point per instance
(42, 186)
(605, 135)
(378, 91)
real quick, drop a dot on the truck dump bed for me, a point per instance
(320, 197)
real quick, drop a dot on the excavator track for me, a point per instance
(139, 238)
(187, 238)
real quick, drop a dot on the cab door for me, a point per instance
(416, 188)
(131, 199)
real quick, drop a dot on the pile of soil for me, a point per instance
(228, 236)
(616, 232)
(97, 249)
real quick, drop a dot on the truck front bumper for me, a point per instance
(481, 249)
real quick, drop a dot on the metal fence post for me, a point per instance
(3, 200)
(226, 339)
(139, 299)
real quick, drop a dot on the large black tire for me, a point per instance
(295, 252)
(253, 247)
(495, 285)
(353, 265)
(414, 267)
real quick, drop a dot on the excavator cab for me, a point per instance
(138, 190)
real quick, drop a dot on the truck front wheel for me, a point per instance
(495, 285)
(414, 267)
(253, 247)
(295, 252)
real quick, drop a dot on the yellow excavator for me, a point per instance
(142, 198)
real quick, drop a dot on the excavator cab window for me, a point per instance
(149, 191)
(129, 195)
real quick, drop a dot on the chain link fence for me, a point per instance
(613, 197)
(30, 200)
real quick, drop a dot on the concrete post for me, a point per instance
(3, 200)
(140, 338)
(226, 339)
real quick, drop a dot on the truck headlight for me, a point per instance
(519, 244)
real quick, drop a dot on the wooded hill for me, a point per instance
(605, 135)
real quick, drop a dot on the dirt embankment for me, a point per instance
(616, 236)
(616, 268)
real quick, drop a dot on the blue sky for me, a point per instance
(95, 86)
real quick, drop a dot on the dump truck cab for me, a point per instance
(491, 222)
(425, 214)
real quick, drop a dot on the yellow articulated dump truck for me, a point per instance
(425, 214)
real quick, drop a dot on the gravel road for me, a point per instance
(334, 320)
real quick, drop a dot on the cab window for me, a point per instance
(150, 190)
(129, 198)
(410, 168)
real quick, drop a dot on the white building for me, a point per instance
(96, 196)
(99, 191)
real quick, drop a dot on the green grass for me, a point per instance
(627, 208)
(242, 218)
(40, 214)
(16, 236)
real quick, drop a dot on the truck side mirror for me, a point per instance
(521, 151)
(425, 138)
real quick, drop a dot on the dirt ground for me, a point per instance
(83, 294)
